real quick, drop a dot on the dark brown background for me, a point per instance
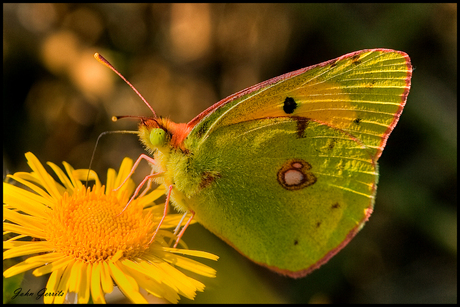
(184, 57)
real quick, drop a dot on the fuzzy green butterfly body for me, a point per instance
(286, 171)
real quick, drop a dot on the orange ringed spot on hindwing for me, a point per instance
(295, 175)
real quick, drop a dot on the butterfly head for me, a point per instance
(162, 134)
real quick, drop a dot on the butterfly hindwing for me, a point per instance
(284, 206)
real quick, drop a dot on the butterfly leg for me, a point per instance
(164, 214)
(147, 178)
(176, 230)
(149, 184)
(181, 233)
(136, 164)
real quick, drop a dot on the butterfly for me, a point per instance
(285, 171)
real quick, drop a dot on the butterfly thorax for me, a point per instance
(164, 140)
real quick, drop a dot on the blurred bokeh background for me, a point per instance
(185, 57)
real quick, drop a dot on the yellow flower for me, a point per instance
(85, 243)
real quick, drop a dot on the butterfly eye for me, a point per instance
(157, 136)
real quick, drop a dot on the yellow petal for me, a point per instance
(75, 276)
(62, 262)
(28, 249)
(20, 268)
(106, 280)
(82, 174)
(125, 285)
(63, 285)
(47, 199)
(152, 196)
(31, 222)
(110, 184)
(70, 171)
(62, 177)
(52, 285)
(195, 253)
(23, 230)
(96, 289)
(83, 289)
(46, 180)
(190, 265)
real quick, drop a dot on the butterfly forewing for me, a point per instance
(362, 93)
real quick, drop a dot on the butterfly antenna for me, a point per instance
(141, 118)
(116, 118)
(102, 60)
(95, 147)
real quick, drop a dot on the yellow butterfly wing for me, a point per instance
(362, 93)
(286, 171)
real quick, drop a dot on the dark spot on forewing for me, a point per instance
(289, 105)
